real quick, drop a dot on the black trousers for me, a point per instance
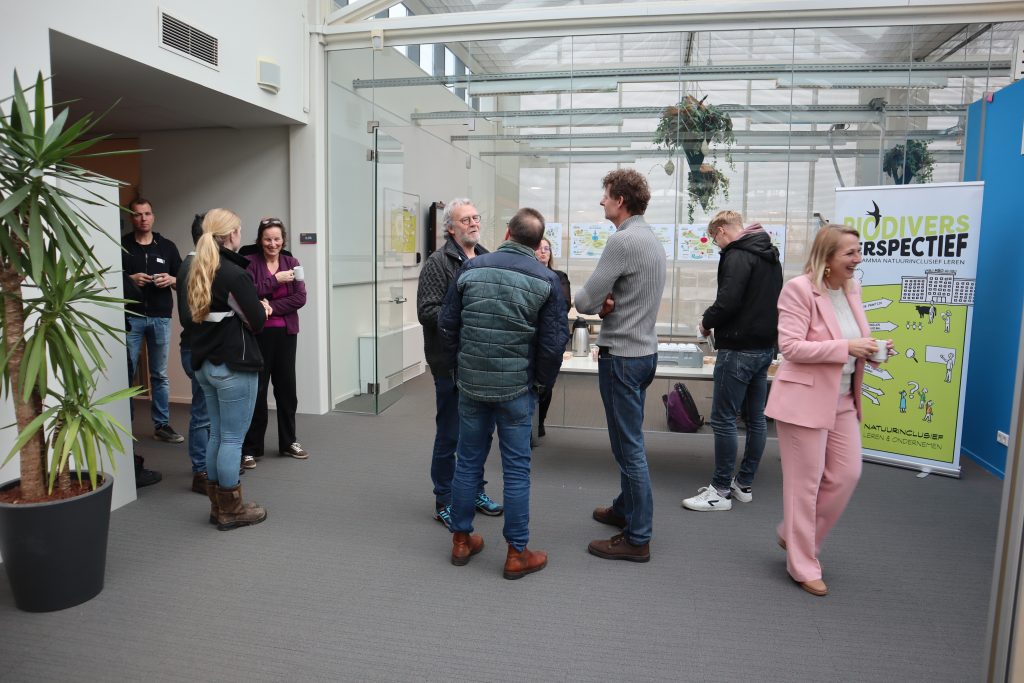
(545, 403)
(278, 349)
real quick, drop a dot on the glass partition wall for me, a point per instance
(767, 123)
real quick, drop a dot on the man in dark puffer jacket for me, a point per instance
(505, 319)
(462, 242)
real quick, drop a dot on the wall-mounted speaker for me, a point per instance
(268, 75)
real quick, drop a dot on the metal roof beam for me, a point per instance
(340, 33)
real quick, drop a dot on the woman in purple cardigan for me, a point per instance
(275, 276)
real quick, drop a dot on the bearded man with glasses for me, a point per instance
(461, 222)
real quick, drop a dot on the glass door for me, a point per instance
(397, 236)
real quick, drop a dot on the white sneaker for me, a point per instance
(708, 500)
(741, 493)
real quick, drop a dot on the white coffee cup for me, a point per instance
(882, 354)
(299, 273)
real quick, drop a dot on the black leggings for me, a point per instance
(278, 348)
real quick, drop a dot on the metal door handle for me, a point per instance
(399, 299)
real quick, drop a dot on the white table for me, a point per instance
(583, 365)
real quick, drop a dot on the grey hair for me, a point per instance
(446, 217)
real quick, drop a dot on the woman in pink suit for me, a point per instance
(815, 398)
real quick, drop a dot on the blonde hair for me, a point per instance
(724, 218)
(217, 227)
(825, 245)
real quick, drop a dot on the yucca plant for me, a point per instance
(52, 346)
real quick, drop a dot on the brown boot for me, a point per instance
(618, 548)
(211, 493)
(519, 564)
(232, 512)
(199, 482)
(465, 546)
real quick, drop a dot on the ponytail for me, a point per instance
(217, 226)
(200, 276)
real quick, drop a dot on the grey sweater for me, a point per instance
(632, 268)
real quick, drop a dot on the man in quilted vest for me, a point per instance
(503, 328)
(461, 222)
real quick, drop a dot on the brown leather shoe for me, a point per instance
(618, 548)
(199, 482)
(608, 516)
(465, 546)
(233, 513)
(519, 564)
(814, 587)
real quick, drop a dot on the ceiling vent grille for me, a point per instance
(181, 37)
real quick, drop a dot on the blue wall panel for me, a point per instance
(994, 131)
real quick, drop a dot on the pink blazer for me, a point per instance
(806, 385)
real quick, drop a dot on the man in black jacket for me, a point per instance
(150, 263)
(745, 320)
(462, 242)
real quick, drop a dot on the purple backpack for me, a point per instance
(681, 410)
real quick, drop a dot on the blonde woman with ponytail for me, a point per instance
(222, 312)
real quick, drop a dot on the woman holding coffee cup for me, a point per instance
(279, 281)
(815, 398)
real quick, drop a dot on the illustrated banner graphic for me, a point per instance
(920, 248)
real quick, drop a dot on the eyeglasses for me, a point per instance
(267, 222)
(714, 237)
(475, 218)
(544, 250)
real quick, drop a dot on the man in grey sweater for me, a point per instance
(626, 290)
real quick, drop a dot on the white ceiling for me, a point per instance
(91, 79)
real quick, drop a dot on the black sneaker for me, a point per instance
(144, 477)
(166, 433)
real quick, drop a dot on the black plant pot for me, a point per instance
(55, 553)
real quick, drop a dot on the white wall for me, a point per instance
(131, 28)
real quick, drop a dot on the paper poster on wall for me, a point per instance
(695, 245)
(666, 234)
(587, 240)
(401, 215)
(553, 234)
(920, 256)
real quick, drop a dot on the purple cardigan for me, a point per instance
(287, 306)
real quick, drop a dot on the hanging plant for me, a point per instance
(903, 164)
(690, 127)
(703, 186)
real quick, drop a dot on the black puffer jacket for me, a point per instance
(745, 314)
(435, 279)
(229, 341)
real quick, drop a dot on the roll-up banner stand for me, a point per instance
(920, 247)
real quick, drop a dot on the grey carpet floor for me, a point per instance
(349, 578)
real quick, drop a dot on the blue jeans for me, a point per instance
(741, 383)
(230, 398)
(446, 440)
(199, 418)
(623, 382)
(156, 332)
(514, 420)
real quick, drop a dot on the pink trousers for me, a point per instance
(820, 470)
